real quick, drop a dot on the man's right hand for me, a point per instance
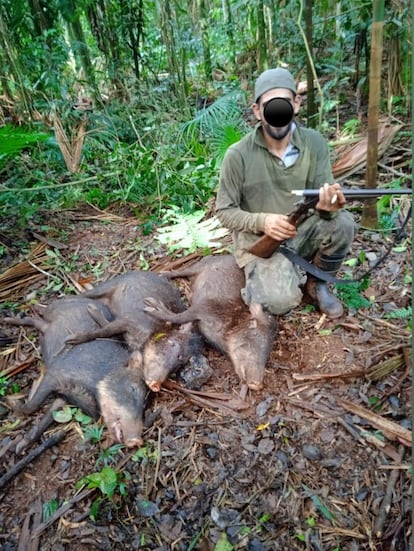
(277, 226)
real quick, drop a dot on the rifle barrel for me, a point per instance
(360, 193)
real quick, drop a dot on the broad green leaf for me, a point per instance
(223, 544)
(63, 415)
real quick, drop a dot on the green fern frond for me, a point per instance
(350, 294)
(13, 139)
(190, 232)
(400, 313)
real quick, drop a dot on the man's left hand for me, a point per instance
(331, 198)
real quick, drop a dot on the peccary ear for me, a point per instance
(186, 327)
(256, 310)
(136, 360)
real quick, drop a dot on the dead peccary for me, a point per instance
(62, 319)
(245, 335)
(167, 352)
(94, 375)
(156, 348)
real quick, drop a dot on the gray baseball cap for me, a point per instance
(274, 78)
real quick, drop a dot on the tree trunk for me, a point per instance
(41, 14)
(79, 46)
(369, 214)
(14, 86)
(205, 39)
(310, 105)
(228, 21)
(175, 55)
(135, 22)
(261, 38)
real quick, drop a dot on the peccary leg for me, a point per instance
(75, 394)
(116, 327)
(105, 291)
(41, 392)
(97, 315)
(37, 383)
(158, 309)
(38, 324)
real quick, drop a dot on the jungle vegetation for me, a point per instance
(136, 101)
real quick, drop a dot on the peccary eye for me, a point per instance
(135, 389)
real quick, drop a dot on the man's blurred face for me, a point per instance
(276, 132)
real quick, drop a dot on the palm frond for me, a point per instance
(224, 138)
(224, 111)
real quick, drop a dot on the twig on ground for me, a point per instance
(20, 465)
(386, 502)
(329, 376)
(218, 400)
(398, 384)
(14, 369)
(164, 266)
(390, 429)
(26, 542)
(386, 449)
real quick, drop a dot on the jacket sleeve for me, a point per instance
(229, 197)
(322, 162)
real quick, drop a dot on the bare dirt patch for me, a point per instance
(297, 468)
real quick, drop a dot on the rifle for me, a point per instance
(265, 246)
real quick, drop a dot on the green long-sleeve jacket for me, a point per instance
(253, 183)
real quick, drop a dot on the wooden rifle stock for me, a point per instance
(265, 246)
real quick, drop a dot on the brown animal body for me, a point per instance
(157, 349)
(93, 375)
(244, 335)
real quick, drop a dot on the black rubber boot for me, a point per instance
(318, 289)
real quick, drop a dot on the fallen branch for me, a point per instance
(61, 511)
(31, 522)
(387, 500)
(392, 430)
(20, 465)
(218, 400)
(324, 411)
(398, 384)
(328, 376)
(361, 437)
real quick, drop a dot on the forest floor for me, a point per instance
(317, 460)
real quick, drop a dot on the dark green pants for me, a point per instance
(275, 282)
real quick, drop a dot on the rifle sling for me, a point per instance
(310, 268)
